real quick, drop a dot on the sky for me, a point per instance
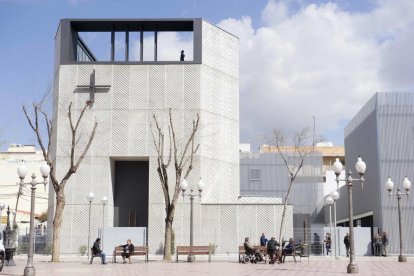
(300, 60)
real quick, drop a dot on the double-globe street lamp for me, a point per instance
(390, 186)
(90, 198)
(191, 195)
(360, 167)
(22, 171)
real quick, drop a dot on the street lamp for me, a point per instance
(22, 171)
(335, 196)
(184, 186)
(90, 198)
(360, 167)
(390, 186)
(329, 201)
(104, 200)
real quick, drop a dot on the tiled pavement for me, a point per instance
(220, 266)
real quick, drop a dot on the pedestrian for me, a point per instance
(182, 56)
(347, 242)
(378, 244)
(271, 250)
(263, 240)
(96, 250)
(385, 243)
(328, 243)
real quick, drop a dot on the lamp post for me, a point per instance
(191, 194)
(104, 200)
(390, 186)
(360, 167)
(335, 196)
(90, 198)
(329, 201)
(22, 171)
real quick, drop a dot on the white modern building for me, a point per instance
(122, 162)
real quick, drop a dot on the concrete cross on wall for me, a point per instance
(92, 88)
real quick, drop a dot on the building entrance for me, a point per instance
(131, 193)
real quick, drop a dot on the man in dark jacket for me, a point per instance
(271, 250)
(347, 242)
(128, 251)
(96, 250)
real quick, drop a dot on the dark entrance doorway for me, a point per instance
(131, 194)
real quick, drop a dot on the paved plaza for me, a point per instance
(220, 266)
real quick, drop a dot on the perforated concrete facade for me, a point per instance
(124, 114)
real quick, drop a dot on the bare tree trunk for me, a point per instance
(183, 164)
(57, 223)
(284, 211)
(167, 240)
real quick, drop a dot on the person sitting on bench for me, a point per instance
(251, 251)
(96, 250)
(289, 249)
(128, 251)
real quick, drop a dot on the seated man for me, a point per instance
(128, 250)
(250, 250)
(289, 248)
(271, 250)
(96, 250)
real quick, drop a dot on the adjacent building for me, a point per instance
(382, 133)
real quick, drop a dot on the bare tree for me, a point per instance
(75, 161)
(183, 164)
(293, 156)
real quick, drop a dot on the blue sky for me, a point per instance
(282, 55)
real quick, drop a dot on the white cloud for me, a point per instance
(319, 61)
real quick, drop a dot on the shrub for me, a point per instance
(212, 247)
(82, 249)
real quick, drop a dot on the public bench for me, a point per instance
(98, 255)
(193, 250)
(138, 251)
(262, 250)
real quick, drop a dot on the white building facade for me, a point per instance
(122, 161)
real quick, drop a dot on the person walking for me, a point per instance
(385, 243)
(347, 242)
(378, 244)
(271, 250)
(328, 243)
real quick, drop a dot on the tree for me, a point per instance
(293, 158)
(183, 164)
(75, 161)
(43, 217)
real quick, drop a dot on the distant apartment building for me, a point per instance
(9, 183)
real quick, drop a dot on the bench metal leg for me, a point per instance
(209, 258)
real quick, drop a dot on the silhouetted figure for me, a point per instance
(182, 55)
(347, 242)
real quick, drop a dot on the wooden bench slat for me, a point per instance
(193, 250)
